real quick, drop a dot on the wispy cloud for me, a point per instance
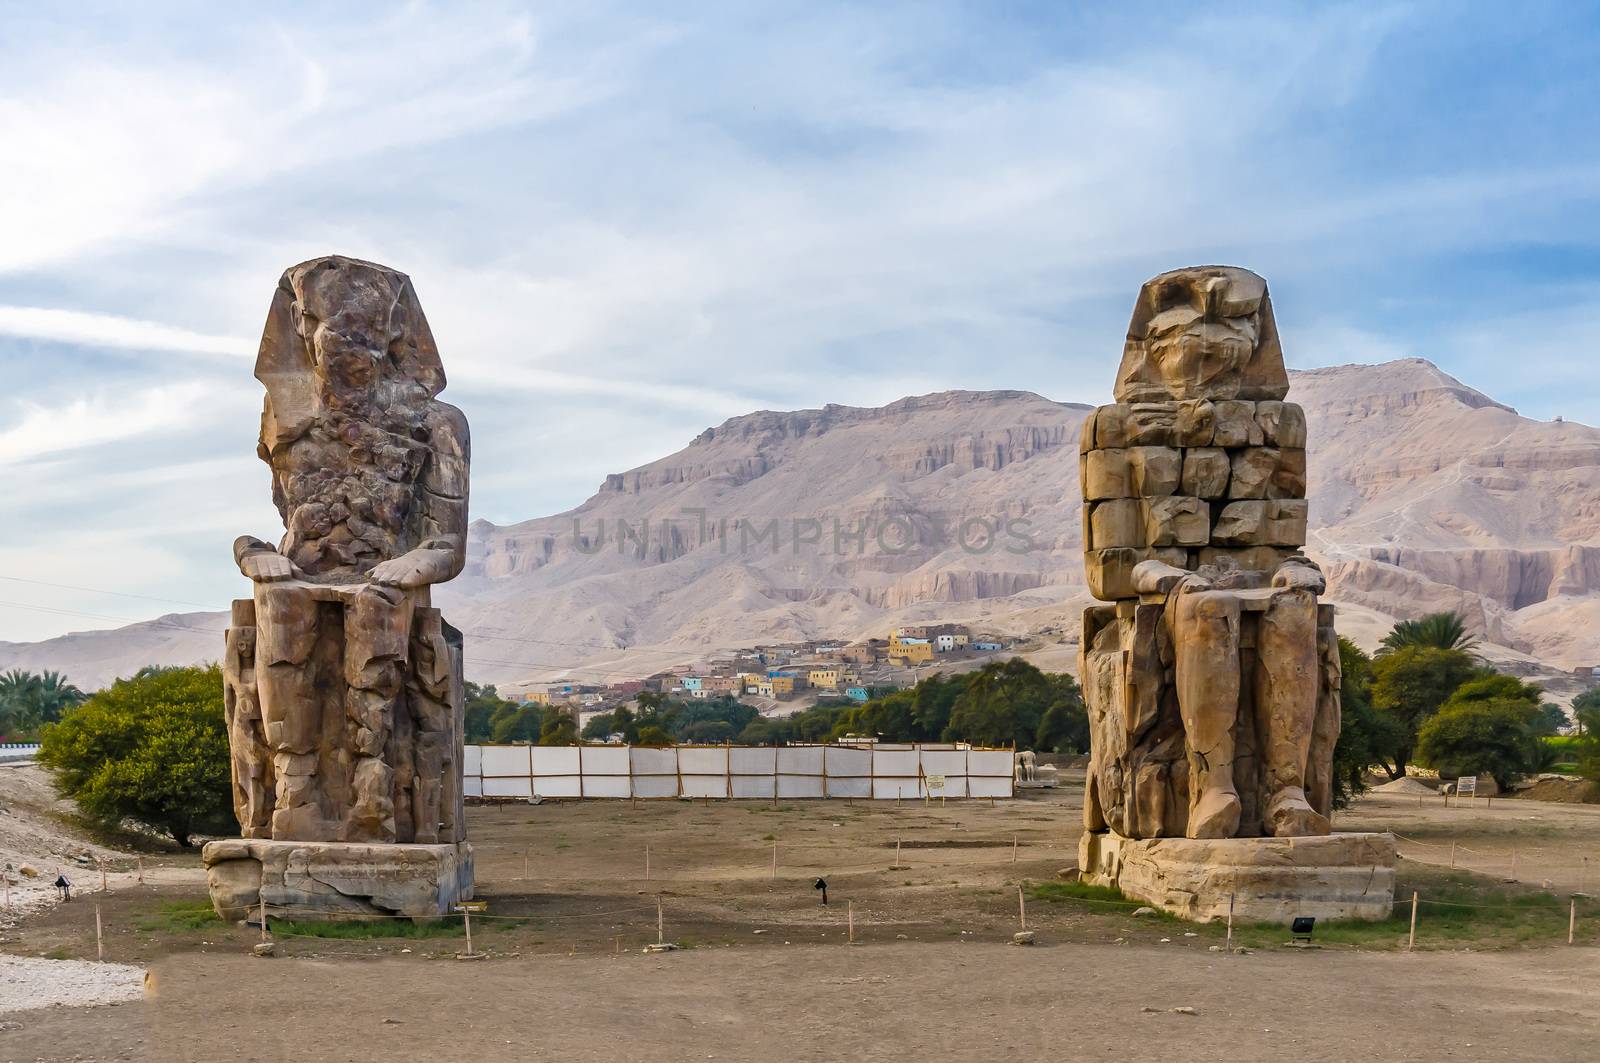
(626, 222)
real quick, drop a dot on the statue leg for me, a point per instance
(1205, 638)
(291, 710)
(376, 654)
(1286, 704)
(247, 741)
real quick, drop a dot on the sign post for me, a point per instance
(1467, 786)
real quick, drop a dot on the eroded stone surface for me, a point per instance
(343, 687)
(1270, 880)
(1213, 682)
(318, 880)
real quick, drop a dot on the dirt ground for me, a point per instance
(766, 970)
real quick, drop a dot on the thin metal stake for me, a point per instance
(1411, 941)
(466, 923)
(647, 862)
(1022, 908)
(1227, 946)
(99, 935)
(1013, 848)
(850, 916)
(263, 898)
(660, 934)
(1572, 920)
(774, 859)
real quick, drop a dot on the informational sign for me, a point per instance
(1467, 786)
(471, 906)
(935, 783)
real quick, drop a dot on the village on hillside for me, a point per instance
(782, 679)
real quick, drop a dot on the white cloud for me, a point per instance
(103, 418)
(109, 330)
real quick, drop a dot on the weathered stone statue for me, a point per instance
(343, 685)
(1213, 680)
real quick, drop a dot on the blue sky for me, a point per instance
(628, 222)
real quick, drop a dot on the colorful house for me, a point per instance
(857, 693)
(824, 678)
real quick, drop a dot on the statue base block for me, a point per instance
(1271, 880)
(335, 880)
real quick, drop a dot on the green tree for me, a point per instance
(652, 735)
(1411, 684)
(1550, 721)
(30, 700)
(558, 729)
(1366, 737)
(1587, 751)
(482, 702)
(1480, 736)
(1440, 631)
(515, 723)
(153, 749)
(1003, 703)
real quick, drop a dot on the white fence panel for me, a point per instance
(655, 786)
(755, 760)
(705, 786)
(555, 760)
(944, 762)
(987, 786)
(800, 786)
(800, 760)
(507, 786)
(703, 760)
(505, 760)
(849, 786)
(884, 771)
(995, 763)
(888, 789)
(645, 760)
(606, 760)
(888, 763)
(749, 786)
(558, 785)
(605, 785)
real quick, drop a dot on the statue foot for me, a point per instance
(1290, 815)
(1215, 816)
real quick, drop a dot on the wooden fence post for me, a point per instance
(1411, 940)
(99, 935)
(1227, 945)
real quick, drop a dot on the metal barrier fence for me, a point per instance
(883, 771)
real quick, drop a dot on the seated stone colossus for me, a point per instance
(1212, 680)
(343, 686)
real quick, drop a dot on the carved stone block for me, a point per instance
(1283, 424)
(1176, 520)
(1152, 424)
(1205, 472)
(1196, 423)
(1285, 522)
(1241, 524)
(1236, 425)
(1154, 471)
(1289, 478)
(1117, 522)
(1106, 475)
(1253, 468)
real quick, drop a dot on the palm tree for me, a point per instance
(28, 700)
(1440, 631)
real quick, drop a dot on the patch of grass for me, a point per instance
(1455, 908)
(1076, 891)
(365, 929)
(176, 916)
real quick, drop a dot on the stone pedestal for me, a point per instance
(1272, 880)
(329, 880)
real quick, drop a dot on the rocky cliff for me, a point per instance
(963, 506)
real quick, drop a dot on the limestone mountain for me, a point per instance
(963, 506)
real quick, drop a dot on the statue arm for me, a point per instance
(261, 561)
(1158, 577)
(443, 551)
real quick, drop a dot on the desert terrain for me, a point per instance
(766, 970)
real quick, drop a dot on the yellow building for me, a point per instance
(782, 685)
(824, 678)
(911, 651)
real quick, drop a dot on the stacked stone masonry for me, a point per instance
(1191, 483)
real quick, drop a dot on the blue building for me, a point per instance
(987, 646)
(856, 693)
